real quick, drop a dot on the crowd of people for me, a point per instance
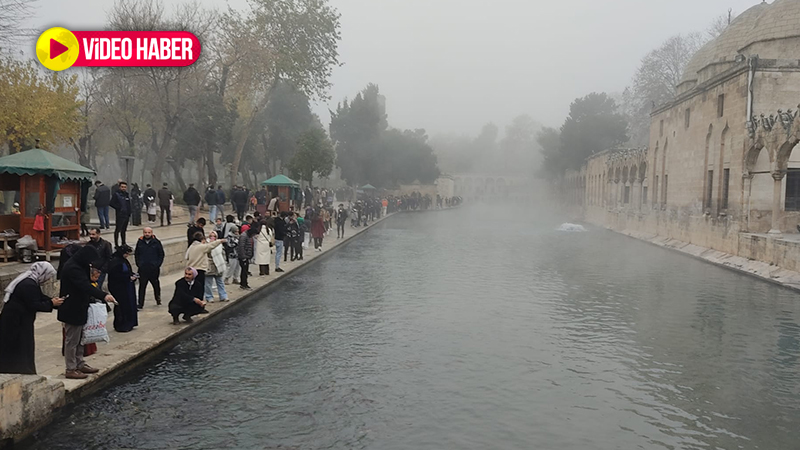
(221, 252)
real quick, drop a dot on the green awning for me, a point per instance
(281, 180)
(368, 187)
(41, 162)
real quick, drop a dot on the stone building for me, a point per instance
(720, 171)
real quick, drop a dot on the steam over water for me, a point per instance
(480, 328)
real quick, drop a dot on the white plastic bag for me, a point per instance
(95, 329)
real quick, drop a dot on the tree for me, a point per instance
(12, 14)
(205, 130)
(164, 92)
(314, 155)
(287, 116)
(520, 149)
(656, 81)
(549, 140)
(720, 24)
(404, 157)
(36, 106)
(594, 124)
(356, 129)
(293, 40)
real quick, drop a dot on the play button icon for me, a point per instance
(57, 48)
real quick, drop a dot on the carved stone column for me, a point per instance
(777, 184)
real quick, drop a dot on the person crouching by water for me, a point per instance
(77, 291)
(187, 299)
(122, 285)
(23, 299)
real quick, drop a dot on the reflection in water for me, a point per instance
(477, 328)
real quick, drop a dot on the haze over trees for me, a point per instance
(370, 152)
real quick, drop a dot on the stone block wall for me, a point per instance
(26, 403)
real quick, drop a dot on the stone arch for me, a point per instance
(752, 155)
(784, 152)
(624, 178)
(643, 171)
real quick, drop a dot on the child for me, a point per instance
(233, 260)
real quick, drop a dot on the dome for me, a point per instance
(780, 20)
(727, 45)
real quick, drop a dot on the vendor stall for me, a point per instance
(41, 195)
(287, 190)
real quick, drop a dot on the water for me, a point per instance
(474, 329)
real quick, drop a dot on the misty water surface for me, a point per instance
(482, 328)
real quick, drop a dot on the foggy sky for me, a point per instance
(453, 65)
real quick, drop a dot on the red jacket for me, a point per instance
(317, 227)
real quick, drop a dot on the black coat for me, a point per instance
(17, 343)
(102, 196)
(183, 300)
(104, 252)
(164, 196)
(239, 198)
(191, 197)
(211, 197)
(149, 196)
(122, 288)
(149, 253)
(77, 283)
(190, 234)
(121, 202)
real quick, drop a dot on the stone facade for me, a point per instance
(715, 172)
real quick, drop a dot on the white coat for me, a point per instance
(263, 249)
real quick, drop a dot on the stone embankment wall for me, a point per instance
(27, 402)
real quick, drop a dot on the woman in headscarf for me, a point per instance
(122, 285)
(187, 299)
(216, 272)
(197, 255)
(136, 205)
(77, 291)
(23, 299)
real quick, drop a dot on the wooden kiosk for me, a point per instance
(41, 195)
(285, 188)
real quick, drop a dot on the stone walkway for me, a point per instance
(155, 330)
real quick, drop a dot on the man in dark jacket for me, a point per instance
(280, 235)
(102, 199)
(239, 199)
(211, 202)
(197, 227)
(164, 202)
(104, 252)
(77, 291)
(149, 256)
(192, 199)
(121, 202)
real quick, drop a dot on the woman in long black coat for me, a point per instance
(188, 298)
(23, 299)
(121, 284)
(136, 205)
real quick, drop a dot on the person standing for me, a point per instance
(77, 292)
(262, 196)
(122, 285)
(265, 239)
(240, 202)
(149, 256)
(23, 299)
(193, 230)
(136, 205)
(211, 202)
(221, 199)
(234, 269)
(341, 220)
(121, 202)
(216, 272)
(187, 299)
(104, 251)
(244, 251)
(165, 203)
(192, 199)
(102, 200)
(197, 254)
(280, 235)
(317, 231)
(150, 204)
